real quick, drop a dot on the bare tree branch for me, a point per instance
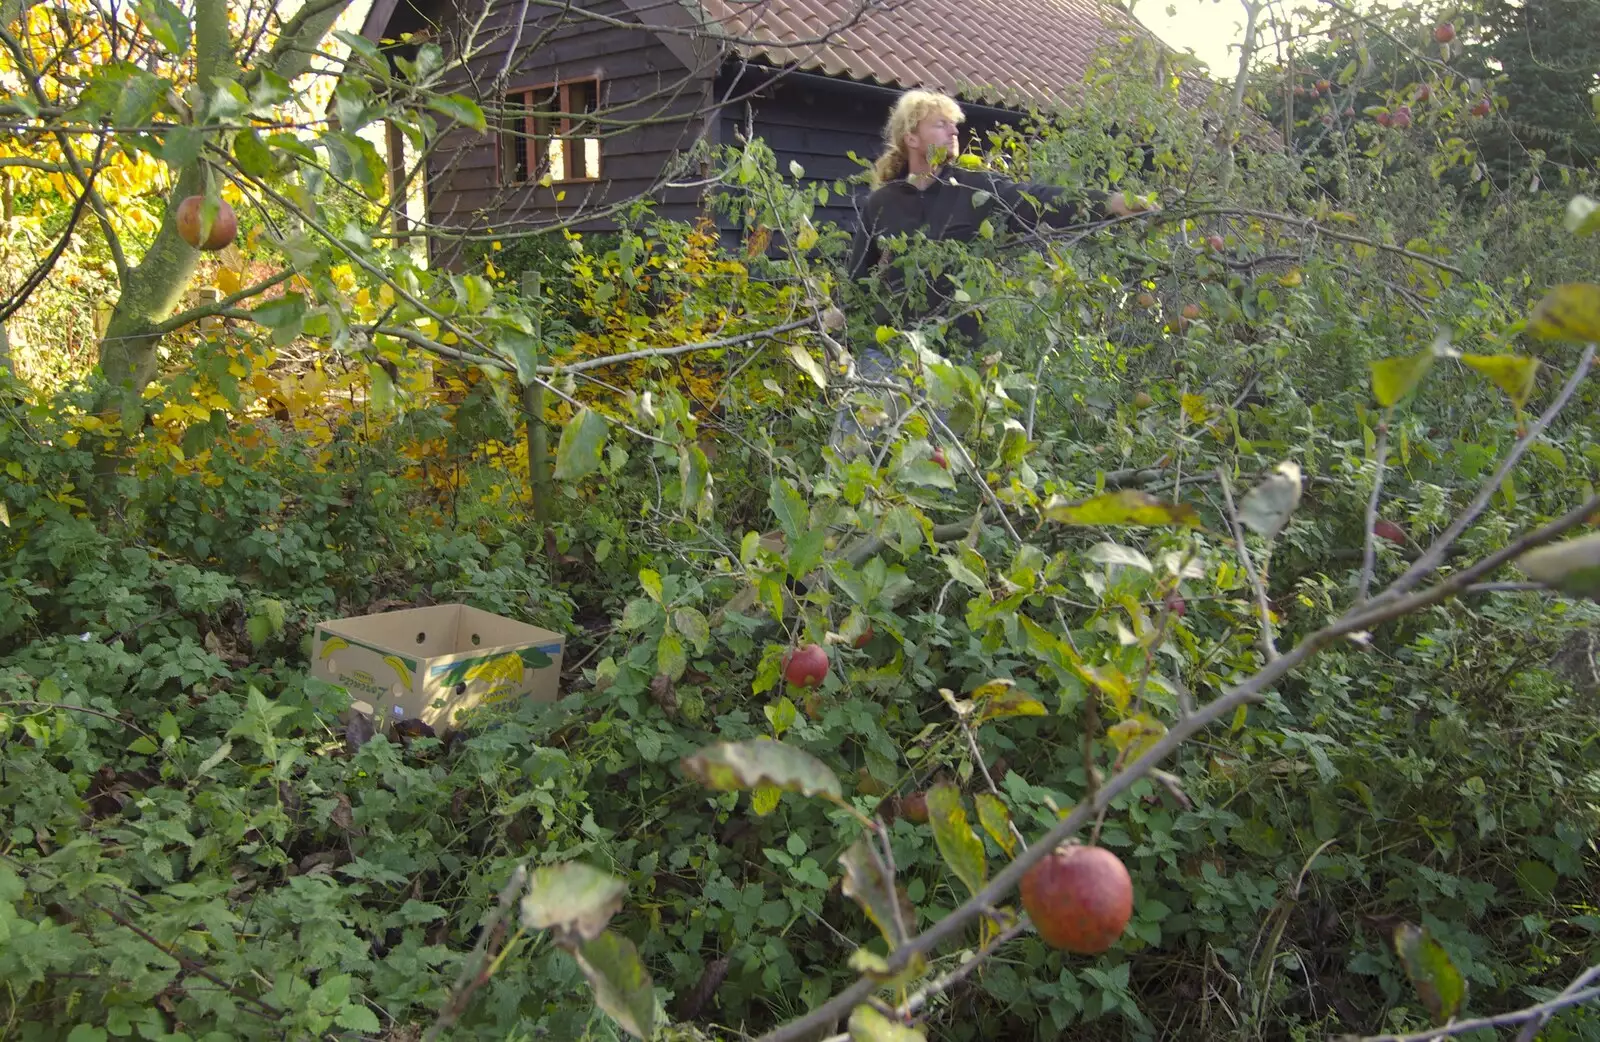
(1369, 545)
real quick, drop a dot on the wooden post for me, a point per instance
(533, 411)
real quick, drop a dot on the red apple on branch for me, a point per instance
(1079, 898)
(806, 666)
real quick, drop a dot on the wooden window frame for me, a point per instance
(560, 90)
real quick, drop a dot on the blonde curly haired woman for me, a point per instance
(918, 185)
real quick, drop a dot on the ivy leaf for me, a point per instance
(1513, 374)
(1583, 213)
(1439, 984)
(578, 453)
(1571, 566)
(1126, 507)
(996, 821)
(1569, 312)
(744, 765)
(1134, 736)
(622, 986)
(460, 108)
(1394, 378)
(1266, 508)
(958, 844)
(572, 897)
(865, 881)
(868, 1025)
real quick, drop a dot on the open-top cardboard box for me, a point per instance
(453, 654)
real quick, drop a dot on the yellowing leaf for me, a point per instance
(229, 281)
(1571, 566)
(866, 881)
(1266, 508)
(573, 897)
(764, 799)
(1126, 507)
(958, 844)
(997, 699)
(744, 765)
(868, 1025)
(1513, 374)
(1394, 378)
(1134, 736)
(806, 364)
(1569, 312)
(996, 821)
(1439, 984)
(622, 986)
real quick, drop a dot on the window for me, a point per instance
(545, 133)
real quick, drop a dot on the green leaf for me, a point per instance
(781, 715)
(650, 579)
(806, 364)
(1569, 312)
(1266, 508)
(168, 24)
(1125, 507)
(167, 728)
(964, 575)
(693, 625)
(578, 452)
(996, 821)
(927, 472)
(181, 146)
(789, 507)
(744, 765)
(1513, 374)
(1537, 879)
(868, 1025)
(805, 552)
(284, 316)
(86, 1033)
(460, 108)
(670, 658)
(572, 898)
(961, 848)
(694, 481)
(523, 350)
(622, 986)
(1394, 378)
(1115, 553)
(1439, 984)
(144, 746)
(639, 612)
(1583, 213)
(254, 157)
(867, 882)
(357, 1017)
(1571, 566)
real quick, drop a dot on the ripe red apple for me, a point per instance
(1147, 300)
(1191, 311)
(1384, 119)
(1177, 605)
(1444, 32)
(1216, 243)
(866, 635)
(223, 229)
(1482, 108)
(1424, 92)
(1349, 111)
(1079, 898)
(1327, 119)
(1385, 529)
(914, 808)
(806, 666)
(939, 458)
(1402, 116)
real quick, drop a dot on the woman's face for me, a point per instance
(936, 137)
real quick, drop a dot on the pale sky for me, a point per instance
(1206, 27)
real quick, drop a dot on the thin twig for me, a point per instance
(1435, 553)
(76, 709)
(1461, 1027)
(1369, 550)
(474, 971)
(1531, 1029)
(1268, 647)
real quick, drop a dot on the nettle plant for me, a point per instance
(1040, 621)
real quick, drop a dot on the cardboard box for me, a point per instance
(451, 653)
